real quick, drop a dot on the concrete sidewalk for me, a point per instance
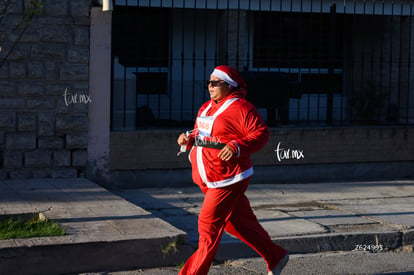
(141, 228)
(104, 231)
(303, 218)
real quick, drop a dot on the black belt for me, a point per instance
(209, 144)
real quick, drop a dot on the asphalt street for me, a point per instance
(329, 263)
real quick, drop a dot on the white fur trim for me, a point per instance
(238, 148)
(239, 177)
(225, 77)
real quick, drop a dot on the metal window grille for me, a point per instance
(306, 62)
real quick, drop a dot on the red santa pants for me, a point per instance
(227, 208)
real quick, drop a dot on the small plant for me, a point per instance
(180, 266)
(172, 247)
(12, 228)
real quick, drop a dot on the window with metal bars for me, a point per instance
(140, 36)
(297, 40)
(307, 62)
(140, 41)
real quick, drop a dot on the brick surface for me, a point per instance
(57, 8)
(53, 54)
(81, 34)
(42, 103)
(77, 141)
(48, 52)
(63, 105)
(12, 103)
(46, 122)
(27, 122)
(19, 173)
(74, 72)
(17, 70)
(64, 173)
(54, 143)
(51, 70)
(4, 71)
(57, 34)
(29, 36)
(20, 52)
(79, 8)
(49, 19)
(7, 88)
(31, 88)
(79, 158)
(38, 159)
(20, 141)
(16, 6)
(35, 70)
(2, 137)
(40, 173)
(78, 55)
(81, 21)
(13, 159)
(7, 119)
(57, 89)
(71, 122)
(62, 158)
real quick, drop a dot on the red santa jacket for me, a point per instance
(233, 121)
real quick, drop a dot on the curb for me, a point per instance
(146, 253)
(323, 243)
(118, 255)
(408, 237)
(90, 256)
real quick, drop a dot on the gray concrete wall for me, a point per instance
(149, 158)
(157, 149)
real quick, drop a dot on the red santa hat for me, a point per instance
(230, 75)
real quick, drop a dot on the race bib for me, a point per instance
(205, 125)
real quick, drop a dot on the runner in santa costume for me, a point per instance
(228, 129)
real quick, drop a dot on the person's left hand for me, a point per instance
(226, 153)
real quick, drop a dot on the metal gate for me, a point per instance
(306, 62)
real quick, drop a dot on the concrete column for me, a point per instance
(100, 94)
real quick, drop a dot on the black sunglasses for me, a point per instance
(214, 83)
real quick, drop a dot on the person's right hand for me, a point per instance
(182, 139)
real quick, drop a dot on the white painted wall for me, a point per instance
(99, 92)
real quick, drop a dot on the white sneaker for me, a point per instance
(280, 266)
